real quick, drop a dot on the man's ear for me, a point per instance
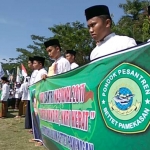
(57, 48)
(41, 64)
(108, 23)
(73, 56)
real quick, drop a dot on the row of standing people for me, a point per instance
(13, 96)
(59, 66)
(99, 23)
(16, 95)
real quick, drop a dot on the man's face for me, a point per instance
(36, 65)
(98, 27)
(70, 57)
(30, 65)
(53, 51)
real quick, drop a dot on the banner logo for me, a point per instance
(124, 98)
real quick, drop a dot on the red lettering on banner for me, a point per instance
(80, 119)
(65, 117)
(78, 93)
(51, 115)
(74, 94)
(82, 93)
(67, 94)
(76, 118)
(55, 96)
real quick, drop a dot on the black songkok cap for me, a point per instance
(52, 42)
(31, 59)
(71, 52)
(40, 59)
(149, 10)
(97, 10)
(4, 79)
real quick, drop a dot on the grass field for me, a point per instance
(13, 136)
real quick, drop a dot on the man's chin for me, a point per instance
(51, 58)
(95, 38)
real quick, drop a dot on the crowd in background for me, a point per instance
(15, 96)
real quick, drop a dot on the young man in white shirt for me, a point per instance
(99, 23)
(17, 95)
(4, 97)
(23, 90)
(61, 64)
(28, 119)
(34, 72)
(38, 64)
(70, 56)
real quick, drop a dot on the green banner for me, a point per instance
(102, 105)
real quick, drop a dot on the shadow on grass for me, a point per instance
(11, 113)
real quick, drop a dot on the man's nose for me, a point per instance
(91, 30)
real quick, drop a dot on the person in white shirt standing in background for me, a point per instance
(24, 97)
(17, 95)
(61, 64)
(99, 23)
(70, 56)
(4, 97)
(28, 119)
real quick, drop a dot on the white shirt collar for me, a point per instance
(58, 58)
(107, 37)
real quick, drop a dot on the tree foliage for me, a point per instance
(134, 23)
(74, 36)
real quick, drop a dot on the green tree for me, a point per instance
(71, 36)
(74, 36)
(131, 24)
(9, 64)
(36, 49)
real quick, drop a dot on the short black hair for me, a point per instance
(40, 62)
(57, 46)
(39, 59)
(105, 17)
(31, 59)
(71, 52)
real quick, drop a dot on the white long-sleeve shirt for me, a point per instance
(24, 91)
(5, 92)
(33, 75)
(74, 65)
(31, 81)
(17, 92)
(112, 43)
(39, 75)
(61, 65)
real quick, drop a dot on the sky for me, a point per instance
(19, 19)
